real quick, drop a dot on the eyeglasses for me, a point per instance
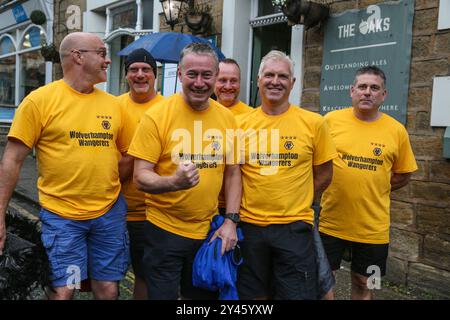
(101, 52)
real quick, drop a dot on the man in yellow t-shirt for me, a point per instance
(140, 71)
(183, 152)
(79, 133)
(227, 89)
(288, 163)
(375, 157)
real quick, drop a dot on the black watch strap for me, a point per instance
(233, 217)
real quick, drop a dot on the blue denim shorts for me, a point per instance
(96, 248)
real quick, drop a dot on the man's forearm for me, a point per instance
(233, 188)
(323, 175)
(8, 182)
(399, 180)
(126, 167)
(13, 157)
(151, 182)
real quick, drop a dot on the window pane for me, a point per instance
(7, 80)
(32, 73)
(124, 16)
(265, 8)
(34, 37)
(147, 8)
(6, 46)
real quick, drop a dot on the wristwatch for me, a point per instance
(233, 217)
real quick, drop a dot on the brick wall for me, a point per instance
(420, 212)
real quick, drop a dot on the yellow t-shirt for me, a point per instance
(355, 206)
(172, 131)
(240, 108)
(237, 109)
(77, 137)
(278, 185)
(135, 198)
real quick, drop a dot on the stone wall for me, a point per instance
(420, 212)
(60, 29)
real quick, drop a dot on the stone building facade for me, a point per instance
(68, 18)
(420, 212)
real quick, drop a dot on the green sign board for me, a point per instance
(379, 35)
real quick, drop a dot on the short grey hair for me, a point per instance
(371, 70)
(276, 55)
(199, 49)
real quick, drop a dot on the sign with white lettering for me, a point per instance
(19, 13)
(379, 35)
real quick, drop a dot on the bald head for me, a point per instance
(76, 40)
(84, 60)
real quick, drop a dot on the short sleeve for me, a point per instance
(324, 147)
(27, 123)
(405, 161)
(146, 143)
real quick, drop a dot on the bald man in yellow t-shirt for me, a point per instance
(375, 157)
(79, 133)
(288, 162)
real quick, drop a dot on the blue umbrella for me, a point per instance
(166, 47)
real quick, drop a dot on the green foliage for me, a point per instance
(38, 17)
(50, 53)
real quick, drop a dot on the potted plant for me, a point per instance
(38, 17)
(50, 52)
(198, 17)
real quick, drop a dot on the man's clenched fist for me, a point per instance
(187, 175)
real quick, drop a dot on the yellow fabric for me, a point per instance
(135, 199)
(173, 127)
(77, 137)
(355, 206)
(237, 109)
(282, 193)
(240, 108)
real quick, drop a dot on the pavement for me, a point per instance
(26, 189)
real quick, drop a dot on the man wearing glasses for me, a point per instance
(79, 133)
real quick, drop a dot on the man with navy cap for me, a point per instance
(140, 68)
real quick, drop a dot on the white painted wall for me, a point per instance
(94, 22)
(297, 57)
(440, 112)
(235, 38)
(95, 4)
(444, 15)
